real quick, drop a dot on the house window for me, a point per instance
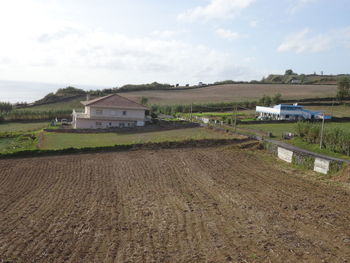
(98, 123)
(99, 112)
(124, 112)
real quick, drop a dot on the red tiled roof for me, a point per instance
(114, 101)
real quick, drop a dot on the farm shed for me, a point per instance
(288, 112)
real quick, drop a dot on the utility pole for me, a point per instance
(236, 118)
(191, 113)
(321, 139)
(332, 108)
(233, 113)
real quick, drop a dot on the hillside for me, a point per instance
(233, 92)
(218, 93)
(294, 78)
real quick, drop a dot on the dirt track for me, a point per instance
(179, 205)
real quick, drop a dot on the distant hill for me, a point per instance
(303, 79)
(158, 93)
(207, 94)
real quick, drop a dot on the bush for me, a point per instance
(334, 139)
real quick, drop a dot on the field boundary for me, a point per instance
(309, 160)
(126, 147)
(147, 128)
(291, 154)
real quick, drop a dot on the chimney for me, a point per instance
(87, 96)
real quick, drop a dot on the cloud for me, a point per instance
(228, 34)
(163, 34)
(216, 9)
(299, 4)
(113, 59)
(60, 33)
(65, 51)
(302, 42)
(253, 23)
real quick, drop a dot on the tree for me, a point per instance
(276, 99)
(144, 100)
(289, 72)
(343, 88)
(265, 100)
(5, 107)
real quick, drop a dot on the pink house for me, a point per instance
(109, 111)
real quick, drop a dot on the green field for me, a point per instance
(66, 140)
(278, 128)
(18, 143)
(58, 106)
(336, 111)
(22, 127)
(315, 148)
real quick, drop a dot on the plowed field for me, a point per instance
(181, 205)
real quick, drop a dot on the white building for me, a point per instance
(288, 112)
(109, 111)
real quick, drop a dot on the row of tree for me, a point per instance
(343, 88)
(24, 115)
(5, 107)
(334, 139)
(213, 106)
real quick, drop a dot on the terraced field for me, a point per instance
(219, 204)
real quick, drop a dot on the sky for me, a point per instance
(109, 43)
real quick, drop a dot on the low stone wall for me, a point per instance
(147, 128)
(308, 160)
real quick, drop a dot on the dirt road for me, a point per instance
(181, 205)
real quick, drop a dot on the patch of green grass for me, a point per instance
(18, 143)
(22, 127)
(58, 106)
(79, 140)
(336, 111)
(222, 114)
(278, 128)
(315, 148)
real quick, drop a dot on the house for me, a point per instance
(296, 81)
(288, 112)
(109, 111)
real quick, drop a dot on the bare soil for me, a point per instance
(234, 92)
(219, 204)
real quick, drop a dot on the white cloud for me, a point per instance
(302, 42)
(94, 57)
(65, 51)
(216, 9)
(299, 4)
(253, 23)
(163, 34)
(228, 34)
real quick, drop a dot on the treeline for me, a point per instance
(5, 107)
(215, 106)
(24, 115)
(343, 91)
(203, 107)
(151, 86)
(60, 95)
(334, 139)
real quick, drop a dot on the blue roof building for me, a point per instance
(288, 112)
